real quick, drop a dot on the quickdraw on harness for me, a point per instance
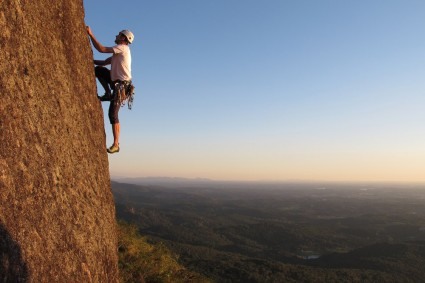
(124, 91)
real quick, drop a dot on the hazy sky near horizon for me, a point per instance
(270, 89)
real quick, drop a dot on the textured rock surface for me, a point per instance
(57, 217)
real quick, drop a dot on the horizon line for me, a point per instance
(194, 179)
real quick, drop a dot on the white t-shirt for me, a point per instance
(121, 63)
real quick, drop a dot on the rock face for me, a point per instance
(57, 216)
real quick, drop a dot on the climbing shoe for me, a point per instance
(113, 149)
(106, 97)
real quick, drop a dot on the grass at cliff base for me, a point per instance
(139, 261)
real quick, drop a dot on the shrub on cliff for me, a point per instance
(140, 261)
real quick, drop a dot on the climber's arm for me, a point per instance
(103, 62)
(99, 47)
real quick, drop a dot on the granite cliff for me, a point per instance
(57, 216)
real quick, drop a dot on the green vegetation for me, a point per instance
(298, 234)
(140, 261)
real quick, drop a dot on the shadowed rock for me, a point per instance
(12, 267)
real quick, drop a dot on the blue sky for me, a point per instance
(271, 90)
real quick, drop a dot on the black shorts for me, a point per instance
(104, 74)
(114, 107)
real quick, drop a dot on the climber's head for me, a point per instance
(124, 35)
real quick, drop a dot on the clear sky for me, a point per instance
(270, 89)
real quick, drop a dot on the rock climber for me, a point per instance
(116, 81)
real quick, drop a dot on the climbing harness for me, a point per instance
(124, 92)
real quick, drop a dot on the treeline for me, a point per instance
(156, 261)
(229, 237)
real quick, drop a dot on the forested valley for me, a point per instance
(290, 232)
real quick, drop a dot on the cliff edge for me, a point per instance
(57, 216)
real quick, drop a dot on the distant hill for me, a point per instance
(165, 181)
